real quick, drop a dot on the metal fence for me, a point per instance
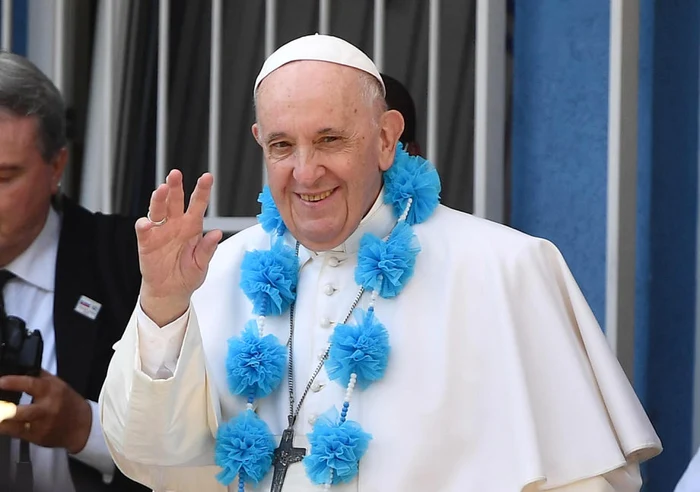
(490, 94)
(489, 144)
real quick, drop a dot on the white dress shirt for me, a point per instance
(30, 296)
(499, 379)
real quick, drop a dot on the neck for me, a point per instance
(10, 252)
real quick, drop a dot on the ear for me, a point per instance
(256, 133)
(391, 128)
(58, 165)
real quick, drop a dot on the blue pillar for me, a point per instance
(666, 236)
(559, 183)
(19, 24)
(560, 125)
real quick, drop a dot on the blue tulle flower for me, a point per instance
(412, 177)
(269, 217)
(269, 278)
(335, 446)
(386, 266)
(244, 446)
(254, 366)
(362, 349)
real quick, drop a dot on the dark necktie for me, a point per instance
(5, 276)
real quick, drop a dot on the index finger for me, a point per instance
(26, 413)
(21, 384)
(199, 201)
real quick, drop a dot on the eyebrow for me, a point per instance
(323, 131)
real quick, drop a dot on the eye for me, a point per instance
(329, 139)
(280, 145)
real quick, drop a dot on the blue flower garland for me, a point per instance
(358, 354)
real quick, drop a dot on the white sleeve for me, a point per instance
(160, 347)
(155, 426)
(624, 479)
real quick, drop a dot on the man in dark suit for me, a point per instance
(68, 273)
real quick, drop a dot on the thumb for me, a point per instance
(205, 249)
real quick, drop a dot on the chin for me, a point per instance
(320, 240)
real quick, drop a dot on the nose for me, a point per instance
(307, 169)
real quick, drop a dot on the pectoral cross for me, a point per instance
(285, 455)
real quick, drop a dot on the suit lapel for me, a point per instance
(75, 277)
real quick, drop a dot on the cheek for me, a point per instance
(15, 210)
(279, 180)
(363, 183)
(24, 200)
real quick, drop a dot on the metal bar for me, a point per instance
(108, 160)
(163, 71)
(229, 224)
(324, 16)
(379, 27)
(215, 103)
(433, 80)
(59, 42)
(270, 45)
(490, 113)
(6, 25)
(622, 180)
(270, 26)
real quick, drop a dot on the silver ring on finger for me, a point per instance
(156, 222)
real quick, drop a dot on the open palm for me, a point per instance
(174, 256)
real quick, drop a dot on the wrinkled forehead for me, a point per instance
(311, 89)
(308, 76)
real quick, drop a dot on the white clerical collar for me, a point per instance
(37, 264)
(379, 221)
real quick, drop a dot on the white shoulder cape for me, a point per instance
(500, 378)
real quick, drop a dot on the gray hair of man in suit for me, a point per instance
(27, 91)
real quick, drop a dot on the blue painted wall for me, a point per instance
(666, 239)
(560, 125)
(559, 160)
(19, 32)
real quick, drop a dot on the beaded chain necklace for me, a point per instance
(357, 354)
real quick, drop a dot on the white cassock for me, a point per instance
(690, 481)
(499, 379)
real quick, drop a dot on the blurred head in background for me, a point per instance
(398, 98)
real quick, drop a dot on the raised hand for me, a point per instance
(173, 253)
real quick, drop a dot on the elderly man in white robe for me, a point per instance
(362, 337)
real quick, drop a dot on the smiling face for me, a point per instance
(326, 142)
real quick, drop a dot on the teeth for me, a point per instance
(316, 198)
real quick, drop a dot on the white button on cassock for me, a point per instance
(329, 290)
(312, 418)
(333, 261)
(325, 323)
